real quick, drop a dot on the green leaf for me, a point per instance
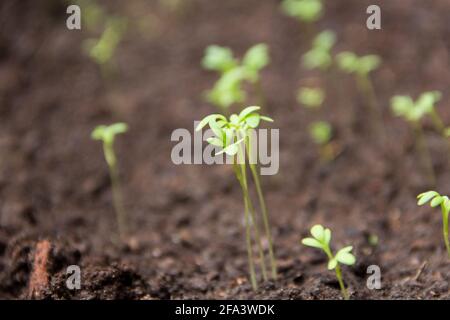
(253, 120)
(257, 57)
(265, 118)
(321, 132)
(426, 196)
(436, 201)
(317, 232)
(215, 142)
(218, 58)
(346, 258)
(205, 121)
(325, 40)
(401, 105)
(311, 242)
(347, 61)
(327, 236)
(332, 264)
(311, 97)
(244, 113)
(368, 63)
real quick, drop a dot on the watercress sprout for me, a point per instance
(233, 137)
(320, 239)
(305, 10)
(228, 90)
(321, 132)
(435, 200)
(107, 134)
(361, 67)
(311, 98)
(319, 56)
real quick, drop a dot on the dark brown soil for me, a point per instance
(188, 234)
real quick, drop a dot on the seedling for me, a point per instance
(320, 54)
(93, 14)
(228, 90)
(311, 98)
(413, 112)
(361, 67)
(307, 11)
(103, 49)
(233, 137)
(107, 135)
(435, 200)
(321, 133)
(321, 238)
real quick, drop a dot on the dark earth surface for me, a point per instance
(187, 221)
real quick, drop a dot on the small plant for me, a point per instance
(321, 133)
(320, 54)
(93, 14)
(228, 90)
(233, 137)
(435, 200)
(103, 49)
(107, 134)
(361, 67)
(308, 11)
(321, 238)
(413, 112)
(311, 98)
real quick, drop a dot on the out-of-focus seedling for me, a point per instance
(233, 137)
(107, 134)
(321, 132)
(435, 200)
(413, 112)
(321, 238)
(361, 67)
(311, 98)
(229, 90)
(93, 14)
(102, 50)
(319, 57)
(307, 11)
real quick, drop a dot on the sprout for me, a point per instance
(413, 112)
(361, 67)
(321, 238)
(435, 200)
(305, 10)
(321, 133)
(233, 137)
(102, 50)
(320, 54)
(107, 134)
(93, 14)
(228, 90)
(311, 97)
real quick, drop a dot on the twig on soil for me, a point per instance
(39, 280)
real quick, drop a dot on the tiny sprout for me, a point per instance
(320, 54)
(311, 97)
(107, 134)
(228, 89)
(361, 67)
(321, 238)
(321, 133)
(305, 10)
(233, 137)
(413, 112)
(102, 50)
(435, 200)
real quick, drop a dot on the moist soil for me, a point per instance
(188, 236)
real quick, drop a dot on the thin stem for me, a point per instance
(445, 229)
(424, 152)
(341, 282)
(116, 190)
(262, 204)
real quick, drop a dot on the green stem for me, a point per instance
(424, 152)
(116, 190)
(445, 228)
(262, 204)
(341, 282)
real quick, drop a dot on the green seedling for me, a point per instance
(321, 238)
(361, 67)
(311, 98)
(319, 57)
(321, 133)
(229, 89)
(435, 200)
(93, 14)
(413, 112)
(233, 137)
(107, 134)
(307, 11)
(102, 50)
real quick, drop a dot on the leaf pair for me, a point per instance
(311, 97)
(230, 133)
(406, 107)
(320, 239)
(108, 133)
(305, 10)
(363, 65)
(435, 200)
(320, 56)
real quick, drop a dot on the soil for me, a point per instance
(187, 220)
